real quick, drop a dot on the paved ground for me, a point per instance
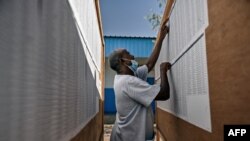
(109, 120)
(107, 131)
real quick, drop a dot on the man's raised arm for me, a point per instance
(157, 48)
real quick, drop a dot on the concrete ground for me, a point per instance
(107, 131)
(109, 120)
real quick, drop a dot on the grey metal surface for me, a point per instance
(46, 86)
(84, 12)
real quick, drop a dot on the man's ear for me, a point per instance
(121, 60)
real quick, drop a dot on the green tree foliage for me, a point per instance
(154, 18)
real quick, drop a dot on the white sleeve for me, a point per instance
(141, 91)
(142, 72)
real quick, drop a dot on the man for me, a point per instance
(133, 95)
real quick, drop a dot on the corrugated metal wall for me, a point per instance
(86, 20)
(49, 84)
(138, 46)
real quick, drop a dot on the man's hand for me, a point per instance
(164, 30)
(157, 48)
(165, 66)
(164, 93)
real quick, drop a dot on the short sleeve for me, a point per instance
(141, 91)
(142, 72)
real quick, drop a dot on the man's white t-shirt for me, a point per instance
(134, 117)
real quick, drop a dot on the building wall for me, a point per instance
(227, 44)
(138, 46)
(51, 77)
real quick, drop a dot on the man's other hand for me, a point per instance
(165, 66)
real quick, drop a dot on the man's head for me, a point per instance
(120, 59)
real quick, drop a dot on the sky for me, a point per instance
(127, 17)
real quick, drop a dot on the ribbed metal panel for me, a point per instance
(185, 48)
(138, 46)
(86, 18)
(47, 88)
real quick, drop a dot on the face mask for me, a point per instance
(133, 66)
